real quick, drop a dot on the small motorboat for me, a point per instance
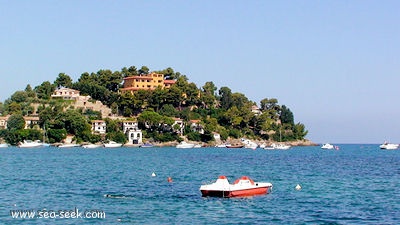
(185, 145)
(30, 144)
(91, 146)
(112, 144)
(242, 187)
(279, 146)
(146, 145)
(327, 146)
(69, 145)
(388, 146)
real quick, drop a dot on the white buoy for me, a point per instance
(153, 174)
(298, 187)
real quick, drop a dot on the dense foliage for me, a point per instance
(222, 111)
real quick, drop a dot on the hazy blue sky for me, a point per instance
(335, 64)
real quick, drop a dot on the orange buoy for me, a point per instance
(169, 179)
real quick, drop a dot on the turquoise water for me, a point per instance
(356, 185)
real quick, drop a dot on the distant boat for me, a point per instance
(249, 144)
(112, 144)
(91, 146)
(30, 144)
(69, 145)
(234, 146)
(242, 187)
(327, 146)
(280, 146)
(146, 145)
(388, 146)
(222, 145)
(197, 146)
(185, 145)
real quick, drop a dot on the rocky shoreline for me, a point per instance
(236, 142)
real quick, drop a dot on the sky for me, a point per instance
(335, 64)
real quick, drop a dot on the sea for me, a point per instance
(357, 184)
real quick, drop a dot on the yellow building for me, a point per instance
(145, 82)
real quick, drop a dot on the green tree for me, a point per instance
(128, 72)
(19, 96)
(150, 119)
(1, 108)
(286, 115)
(269, 104)
(14, 108)
(29, 91)
(168, 110)
(143, 70)
(16, 122)
(56, 135)
(208, 97)
(63, 80)
(299, 131)
(225, 96)
(45, 90)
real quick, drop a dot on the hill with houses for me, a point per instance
(135, 106)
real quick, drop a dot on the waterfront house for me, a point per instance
(99, 126)
(135, 136)
(196, 126)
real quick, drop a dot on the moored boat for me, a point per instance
(281, 146)
(242, 187)
(234, 146)
(91, 146)
(185, 145)
(112, 144)
(146, 145)
(69, 145)
(30, 144)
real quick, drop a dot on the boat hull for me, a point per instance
(112, 145)
(234, 146)
(242, 187)
(69, 145)
(236, 193)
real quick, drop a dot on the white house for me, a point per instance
(129, 125)
(66, 93)
(99, 126)
(135, 136)
(196, 126)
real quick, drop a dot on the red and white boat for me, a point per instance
(242, 187)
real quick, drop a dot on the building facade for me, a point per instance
(145, 82)
(99, 126)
